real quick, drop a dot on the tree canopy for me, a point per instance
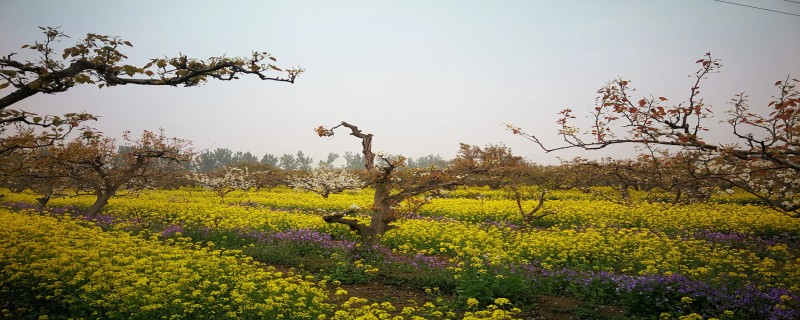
(99, 60)
(765, 160)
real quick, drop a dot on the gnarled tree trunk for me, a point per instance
(382, 211)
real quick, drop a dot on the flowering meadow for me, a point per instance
(190, 254)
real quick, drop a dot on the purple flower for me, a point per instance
(303, 236)
(171, 230)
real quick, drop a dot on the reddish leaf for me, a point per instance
(643, 102)
(662, 99)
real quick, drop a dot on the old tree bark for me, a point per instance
(389, 191)
(393, 184)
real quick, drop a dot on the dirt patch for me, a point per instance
(564, 308)
(556, 308)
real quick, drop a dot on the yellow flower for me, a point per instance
(408, 310)
(472, 302)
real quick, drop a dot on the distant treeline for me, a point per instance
(210, 160)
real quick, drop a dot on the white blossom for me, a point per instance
(326, 180)
(226, 181)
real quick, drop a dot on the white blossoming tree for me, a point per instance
(325, 180)
(225, 180)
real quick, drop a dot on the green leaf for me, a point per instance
(37, 119)
(81, 78)
(3, 85)
(34, 85)
(9, 73)
(129, 69)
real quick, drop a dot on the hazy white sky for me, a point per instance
(421, 76)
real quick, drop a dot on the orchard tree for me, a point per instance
(502, 166)
(664, 177)
(225, 180)
(99, 60)
(34, 169)
(263, 175)
(27, 130)
(325, 180)
(502, 169)
(95, 164)
(393, 185)
(671, 177)
(765, 160)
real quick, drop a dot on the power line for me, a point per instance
(760, 8)
(797, 2)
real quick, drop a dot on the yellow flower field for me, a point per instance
(710, 245)
(95, 274)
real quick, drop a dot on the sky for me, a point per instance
(422, 76)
